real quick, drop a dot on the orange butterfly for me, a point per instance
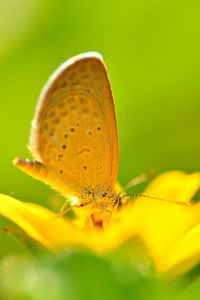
(74, 133)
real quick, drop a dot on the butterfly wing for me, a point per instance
(74, 132)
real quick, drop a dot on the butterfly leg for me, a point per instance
(64, 209)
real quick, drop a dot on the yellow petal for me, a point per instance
(38, 222)
(171, 231)
(186, 252)
(160, 224)
(175, 186)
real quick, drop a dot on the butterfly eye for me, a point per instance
(104, 194)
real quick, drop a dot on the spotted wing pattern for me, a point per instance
(74, 133)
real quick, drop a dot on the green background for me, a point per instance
(152, 51)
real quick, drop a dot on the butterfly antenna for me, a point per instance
(140, 179)
(156, 198)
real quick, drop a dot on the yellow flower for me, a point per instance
(170, 231)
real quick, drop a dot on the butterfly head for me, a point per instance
(99, 198)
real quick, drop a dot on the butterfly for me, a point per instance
(74, 138)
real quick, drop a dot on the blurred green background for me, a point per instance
(152, 51)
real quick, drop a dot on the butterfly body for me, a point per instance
(74, 133)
